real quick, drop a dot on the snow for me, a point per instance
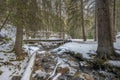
(29, 68)
(10, 67)
(9, 33)
(30, 49)
(64, 65)
(117, 44)
(40, 73)
(53, 73)
(114, 63)
(15, 67)
(41, 52)
(54, 38)
(6, 72)
(6, 47)
(118, 35)
(81, 40)
(56, 77)
(83, 49)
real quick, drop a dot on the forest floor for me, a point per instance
(74, 61)
(70, 61)
(49, 66)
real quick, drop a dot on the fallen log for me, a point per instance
(27, 74)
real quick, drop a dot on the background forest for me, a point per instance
(73, 17)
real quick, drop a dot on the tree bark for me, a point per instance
(95, 28)
(114, 21)
(19, 32)
(105, 44)
(82, 17)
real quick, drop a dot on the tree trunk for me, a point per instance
(105, 45)
(114, 21)
(95, 28)
(82, 17)
(19, 32)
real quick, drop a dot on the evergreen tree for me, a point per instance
(105, 48)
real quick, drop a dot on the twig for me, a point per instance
(5, 20)
(54, 70)
(56, 77)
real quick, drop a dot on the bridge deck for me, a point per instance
(45, 40)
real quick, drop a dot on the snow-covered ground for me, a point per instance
(118, 35)
(49, 63)
(8, 33)
(114, 63)
(84, 48)
(30, 49)
(9, 66)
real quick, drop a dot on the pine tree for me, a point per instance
(105, 45)
(19, 24)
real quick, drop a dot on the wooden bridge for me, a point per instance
(45, 40)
